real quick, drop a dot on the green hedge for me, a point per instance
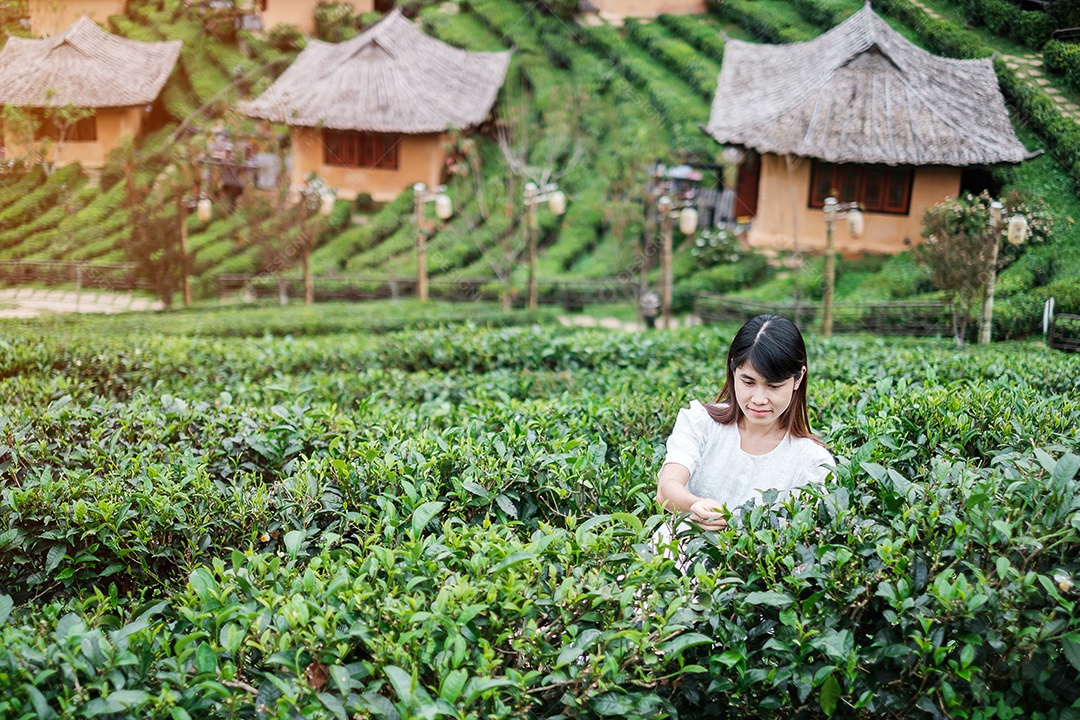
(703, 35)
(698, 71)
(1063, 59)
(761, 21)
(1027, 27)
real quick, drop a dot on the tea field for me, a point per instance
(365, 520)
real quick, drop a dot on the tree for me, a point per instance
(959, 248)
(41, 133)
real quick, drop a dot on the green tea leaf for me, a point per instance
(830, 695)
(41, 705)
(1065, 469)
(423, 515)
(293, 540)
(476, 488)
(679, 643)
(206, 660)
(341, 678)
(402, 683)
(6, 605)
(507, 505)
(333, 704)
(55, 556)
(453, 684)
(770, 598)
(203, 583)
(1070, 647)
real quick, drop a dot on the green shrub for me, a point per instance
(1064, 59)
(334, 21)
(1028, 27)
(285, 37)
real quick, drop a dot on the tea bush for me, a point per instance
(458, 520)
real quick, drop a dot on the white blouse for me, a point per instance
(723, 471)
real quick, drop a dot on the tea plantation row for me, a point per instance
(457, 522)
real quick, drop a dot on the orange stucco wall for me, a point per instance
(420, 159)
(773, 229)
(301, 13)
(112, 124)
(649, 8)
(48, 17)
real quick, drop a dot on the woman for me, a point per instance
(755, 437)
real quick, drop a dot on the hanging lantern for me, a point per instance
(855, 222)
(444, 206)
(1018, 229)
(202, 209)
(326, 203)
(732, 155)
(688, 221)
(557, 202)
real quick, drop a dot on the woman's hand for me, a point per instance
(708, 515)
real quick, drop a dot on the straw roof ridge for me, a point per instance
(390, 78)
(862, 93)
(84, 66)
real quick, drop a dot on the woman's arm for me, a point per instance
(672, 494)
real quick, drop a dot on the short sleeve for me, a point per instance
(686, 444)
(819, 465)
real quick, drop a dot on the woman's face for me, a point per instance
(763, 402)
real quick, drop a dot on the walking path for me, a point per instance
(32, 302)
(611, 323)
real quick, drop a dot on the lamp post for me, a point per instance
(533, 195)
(1016, 234)
(314, 197)
(203, 212)
(835, 211)
(444, 208)
(688, 218)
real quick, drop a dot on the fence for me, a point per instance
(570, 294)
(1064, 333)
(109, 276)
(892, 318)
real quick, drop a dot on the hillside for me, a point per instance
(600, 104)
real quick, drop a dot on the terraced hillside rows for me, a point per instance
(600, 102)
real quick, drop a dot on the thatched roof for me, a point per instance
(861, 93)
(84, 66)
(390, 78)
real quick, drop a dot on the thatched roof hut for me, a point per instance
(861, 93)
(84, 66)
(392, 78)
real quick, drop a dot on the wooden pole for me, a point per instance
(530, 230)
(986, 321)
(830, 268)
(421, 251)
(665, 266)
(181, 211)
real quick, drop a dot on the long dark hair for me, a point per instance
(774, 347)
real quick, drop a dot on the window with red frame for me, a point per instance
(350, 148)
(877, 188)
(84, 130)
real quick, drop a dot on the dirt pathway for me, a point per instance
(32, 302)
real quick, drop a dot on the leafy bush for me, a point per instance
(1029, 27)
(1064, 59)
(285, 37)
(334, 21)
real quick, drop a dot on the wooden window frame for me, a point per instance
(83, 130)
(857, 183)
(353, 148)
